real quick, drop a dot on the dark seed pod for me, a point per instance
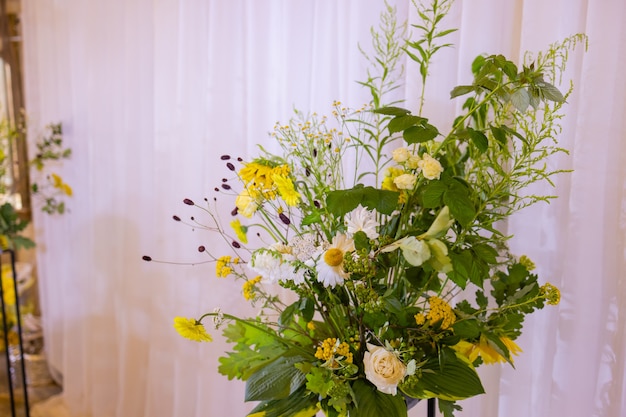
(188, 202)
(217, 190)
(316, 203)
(234, 212)
(235, 244)
(284, 218)
(226, 186)
(225, 157)
(314, 153)
(175, 217)
(201, 248)
(146, 258)
(230, 166)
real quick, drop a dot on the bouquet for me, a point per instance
(385, 237)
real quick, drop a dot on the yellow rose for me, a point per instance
(246, 205)
(431, 168)
(383, 369)
(401, 155)
(405, 181)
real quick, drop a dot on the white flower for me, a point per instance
(415, 251)
(362, 220)
(440, 225)
(401, 155)
(330, 264)
(405, 181)
(431, 168)
(383, 369)
(266, 264)
(441, 262)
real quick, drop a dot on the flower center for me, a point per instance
(333, 257)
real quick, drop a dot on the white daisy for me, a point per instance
(362, 220)
(330, 264)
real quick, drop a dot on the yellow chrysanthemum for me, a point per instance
(191, 329)
(240, 230)
(286, 190)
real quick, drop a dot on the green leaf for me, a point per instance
(550, 92)
(432, 195)
(499, 134)
(341, 202)
(451, 379)
(479, 139)
(287, 314)
(461, 90)
(467, 329)
(520, 99)
(392, 111)
(400, 123)
(461, 207)
(312, 218)
(485, 252)
(419, 134)
(373, 403)
(277, 380)
(298, 403)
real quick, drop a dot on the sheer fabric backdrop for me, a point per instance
(150, 93)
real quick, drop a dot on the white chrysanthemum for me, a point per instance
(266, 264)
(362, 220)
(330, 264)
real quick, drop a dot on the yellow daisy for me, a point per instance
(240, 230)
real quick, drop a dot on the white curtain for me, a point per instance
(152, 92)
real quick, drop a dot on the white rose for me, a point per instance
(383, 369)
(405, 181)
(431, 168)
(400, 155)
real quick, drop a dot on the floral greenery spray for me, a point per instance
(402, 278)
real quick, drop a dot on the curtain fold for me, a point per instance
(151, 93)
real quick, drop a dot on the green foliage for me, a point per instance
(394, 254)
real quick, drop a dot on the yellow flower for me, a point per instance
(286, 189)
(240, 230)
(527, 262)
(4, 242)
(485, 349)
(431, 168)
(191, 329)
(246, 204)
(331, 347)
(249, 287)
(57, 182)
(222, 267)
(67, 190)
(551, 293)
(390, 176)
(420, 319)
(440, 311)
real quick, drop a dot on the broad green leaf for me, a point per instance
(485, 252)
(341, 202)
(452, 380)
(298, 404)
(401, 123)
(499, 134)
(520, 99)
(419, 134)
(287, 314)
(461, 207)
(372, 403)
(461, 90)
(467, 329)
(550, 92)
(392, 111)
(479, 139)
(432, 195)
(277, 380)
(311, 218)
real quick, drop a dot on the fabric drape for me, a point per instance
(150, 94)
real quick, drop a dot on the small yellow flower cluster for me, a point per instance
(330, 348)
(249, 287)
(550, 293)
(525, 260)
(57, 182)
(440, 310)
(223, 266)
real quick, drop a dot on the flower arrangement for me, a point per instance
(388, 234)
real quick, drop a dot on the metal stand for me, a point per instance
(431, 407)
(11, 367)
